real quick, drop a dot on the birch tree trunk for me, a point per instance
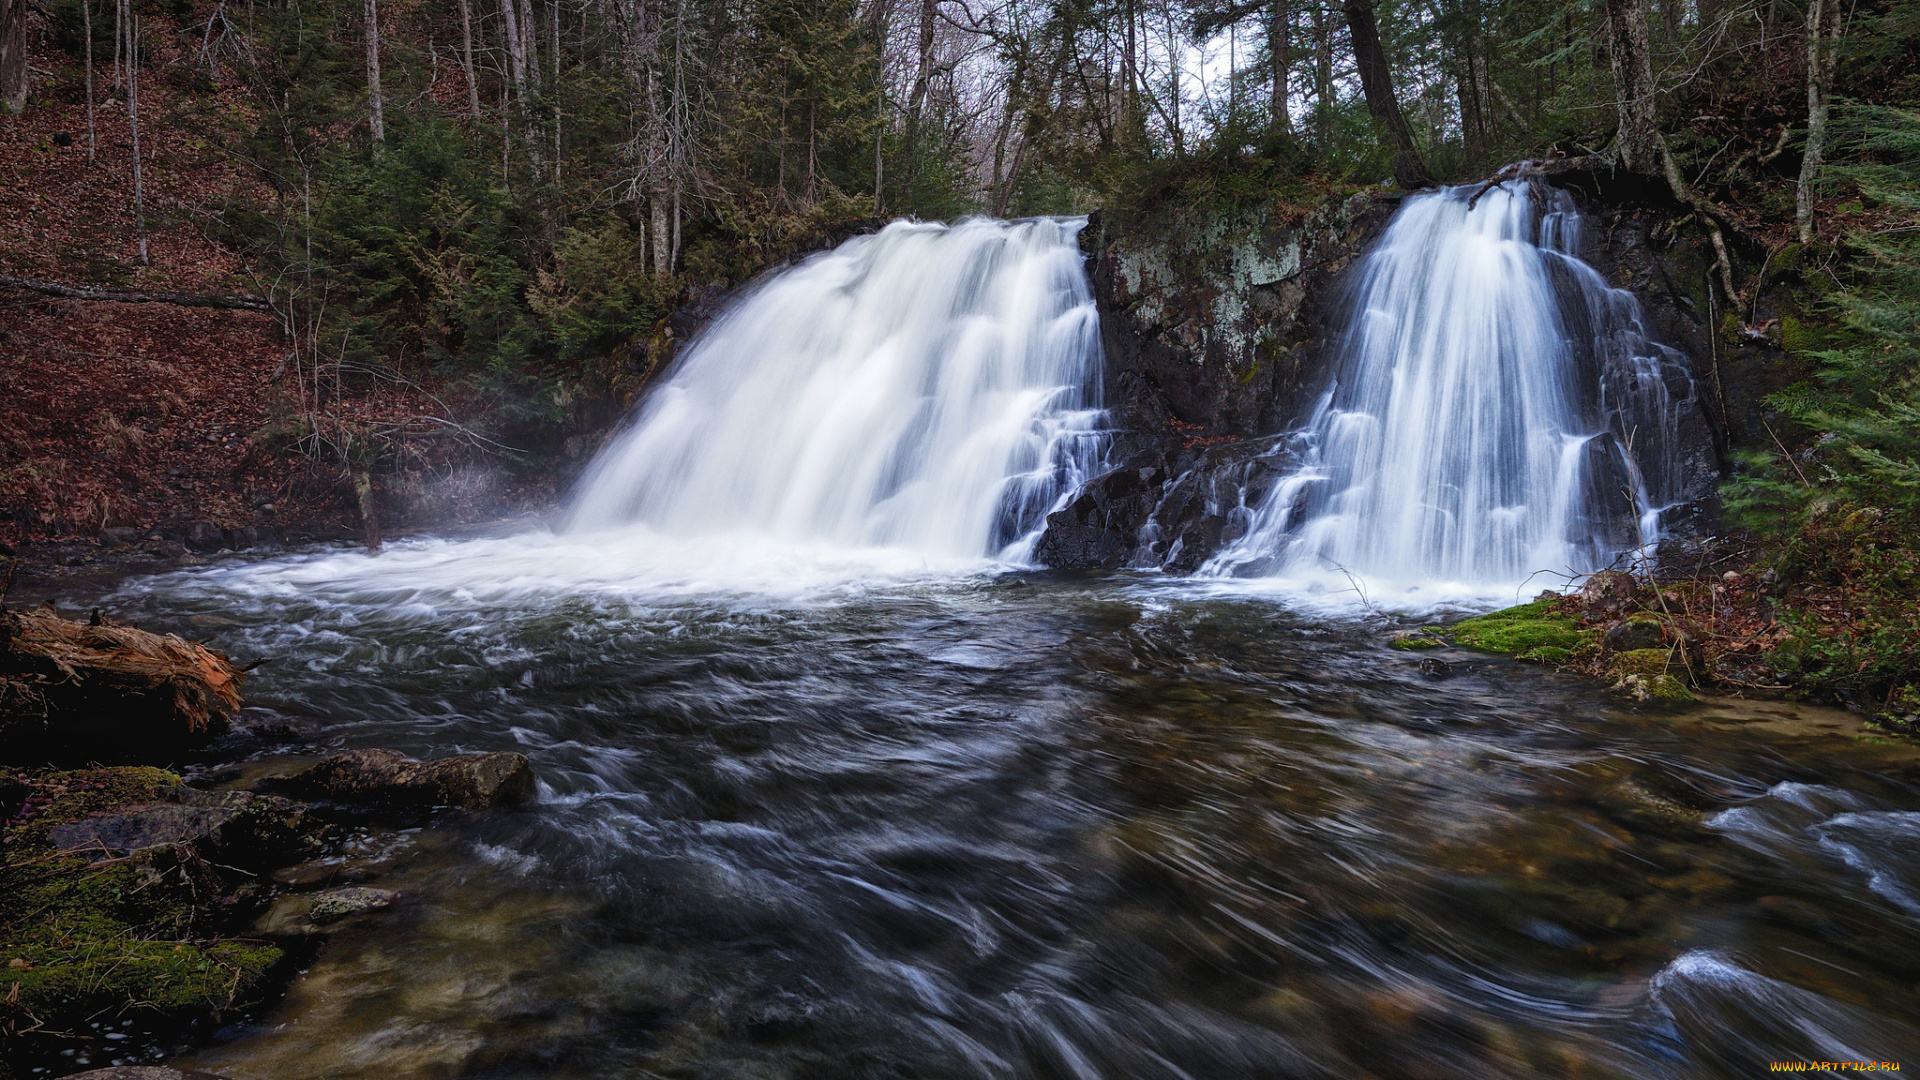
(466, 56)
(1823, 56)
(133, 123)
(376, 110)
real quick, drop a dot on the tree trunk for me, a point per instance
(86, 19)
(1322, 77)
(13, 55)
(466, 56)
(1377, 81)
(516, 48)
(1823, 55)
(1174, 57)
(922, 76)
(1279, 58)
(376, 111)
(133, 123)
(1638, 144)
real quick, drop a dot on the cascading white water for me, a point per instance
(1497, 411)
(931, 388)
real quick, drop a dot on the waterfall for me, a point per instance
(930, 388)
(1496, 410)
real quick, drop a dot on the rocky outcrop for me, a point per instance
(388, 778)
(1211, 319)
(1216, 326)
(1213, 324)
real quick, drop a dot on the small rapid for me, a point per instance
(1494, 411)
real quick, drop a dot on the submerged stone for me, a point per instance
(387, 777)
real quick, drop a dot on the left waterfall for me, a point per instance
(930, 387)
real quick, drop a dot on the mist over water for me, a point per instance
(1495, 411)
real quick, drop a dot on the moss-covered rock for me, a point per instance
(1660, 687)
(1537, 631)
(1413, 640)
(1641, 662)
(87, 927)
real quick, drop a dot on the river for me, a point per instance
(818, 815)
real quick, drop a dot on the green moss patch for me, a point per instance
(1536, 631)
(83, 934)
(1641, 662)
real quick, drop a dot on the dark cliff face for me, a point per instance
(1217, 329)
(1214, 325)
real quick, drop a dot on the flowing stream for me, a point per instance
(831, 787)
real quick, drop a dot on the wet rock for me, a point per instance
(1098, 528)
(1435, 668)
(117, 537)
(313, 913)
(205, 537)
(141, 1072)
(336, 904)
(1641, 633)
(139, 827)
(1610, 592)
(235, 827)
(386, 777)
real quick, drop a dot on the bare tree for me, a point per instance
(1825, 21)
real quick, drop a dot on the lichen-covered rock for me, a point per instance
(389, 778)
(1653, 687)
(336, 904)
(304, 914)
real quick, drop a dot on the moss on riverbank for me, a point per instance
(86, 934)
(1539, 631)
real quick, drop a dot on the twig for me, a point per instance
(1789, 457)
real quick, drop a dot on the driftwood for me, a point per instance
(124, 296)
(100, 690)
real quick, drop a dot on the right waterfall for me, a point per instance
(1495, 411)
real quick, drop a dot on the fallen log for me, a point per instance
(134, 296)
(102, 691)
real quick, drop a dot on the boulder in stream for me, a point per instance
(389, 778)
